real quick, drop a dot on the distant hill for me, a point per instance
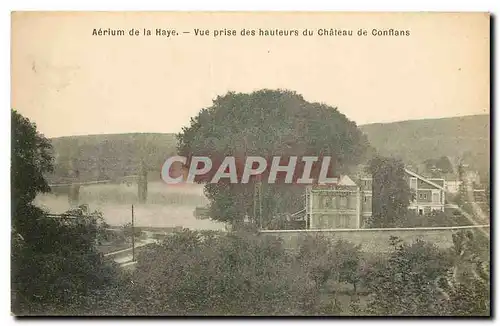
(110, 156)
(417, 140)
(117, 155)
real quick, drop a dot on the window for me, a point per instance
(343, 202)
(327, 202)
(327, 221)
(413, 183)
(343, 221)
(321, 222)
(346, 222)
(365, 198)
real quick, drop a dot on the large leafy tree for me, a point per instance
(438, 166)
(55, 263)
(268, 123)
(391, 192)
(31, 158)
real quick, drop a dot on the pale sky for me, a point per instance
(72, 83)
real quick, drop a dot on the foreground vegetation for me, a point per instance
(211, 273)
(57, 268)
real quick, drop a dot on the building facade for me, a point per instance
(429, 193)
(346, 205)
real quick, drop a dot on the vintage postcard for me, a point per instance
(250, 164)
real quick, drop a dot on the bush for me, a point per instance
(404, 284)
(419, 279)
(56, 264)
(209, 273)
(212, 273)
(325, 259)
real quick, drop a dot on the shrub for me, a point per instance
(404, 284)
(325, 259)
(56, 264)
(209, 273)
(419, 279)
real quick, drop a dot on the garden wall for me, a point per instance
(377, 240)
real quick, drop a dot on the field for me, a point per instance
(167, 206)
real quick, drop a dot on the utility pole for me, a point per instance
(257, 201)
(133, 235)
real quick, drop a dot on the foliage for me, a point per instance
(31, 158)
(391, 192)
(418, 140)
(57, 263)
(404, 284)
(487, 190)
(54, 261)
(470, 298)
(325, 259)
(197, 273)
(211, 273)
(467, 286)
(268, 123)
(419, 279)
(438, 166)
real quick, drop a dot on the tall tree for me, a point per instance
(436, 167)
(31, 158)
(268, 123)
(444, 165)
(391, 192)
(55, 263)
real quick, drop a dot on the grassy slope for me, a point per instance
(417, 140)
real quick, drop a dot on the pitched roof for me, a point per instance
(423, 179)
(346, 181)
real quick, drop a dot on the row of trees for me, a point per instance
(207, 273)
(56, 267)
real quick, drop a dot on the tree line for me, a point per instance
(57, 269)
